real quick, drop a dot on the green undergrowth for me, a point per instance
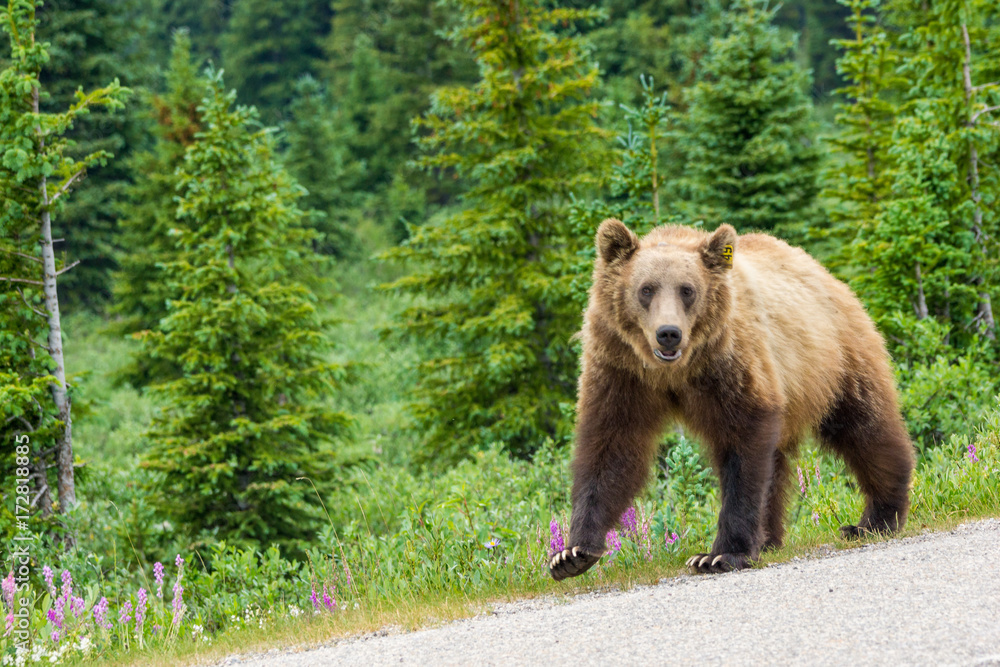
(407, 550)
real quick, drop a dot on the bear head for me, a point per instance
(666, 294)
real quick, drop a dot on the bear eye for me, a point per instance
(687, 291)
(646, 290)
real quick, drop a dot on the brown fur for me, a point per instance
(773, 347)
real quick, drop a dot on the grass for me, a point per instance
(404, 616)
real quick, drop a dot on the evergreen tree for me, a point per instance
(317, 156)
(36, 177)
(269, 45)
(242, 422)
(932, 242)
(751, 156)
(149, 210)
(859, 184)
(204, 20)
(91, 43)
(498, 311)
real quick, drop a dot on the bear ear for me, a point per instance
(615, 241)
(717, 252)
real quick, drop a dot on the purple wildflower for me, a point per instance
(55, 615)
(802, 481)
(8, 590)
(816, 518)
(179, 562)
(101, 614)
(55, 636)
(140, 610)
(972, 453)
(314, 599)
(328, 602)
(556, 544)
(67, 584)
(158, 576)
(125, 614)
(817, 473)
(670, 539)
(630, 528)
(614, 542)
(178, 601)
(48, 574)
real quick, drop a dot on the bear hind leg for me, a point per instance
(867, 431)
(777, 497)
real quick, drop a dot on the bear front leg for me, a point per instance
(745, 468)
(618, 419)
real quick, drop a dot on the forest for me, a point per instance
(289, 290)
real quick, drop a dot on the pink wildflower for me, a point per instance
(630, 527)
(125, 614)
(614, 542)
(8, 590)
(802, 481)
(556, 544)
(816, 518)
(48, 574)
(328, 602)
(817, 473)
(158, 577)
(670, 539)
(347, 572)
(314, 599)
(101, 614)
(140, 610)
(55, 636)
(972, 453)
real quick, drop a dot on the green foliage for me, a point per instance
(495, 274)
(924, 240)
(242, 422)
(751, 156)
(269, 45)
(317, 156)
(92, 42)
(149, 211)
(36, 176)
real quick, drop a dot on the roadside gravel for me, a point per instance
(932, 599)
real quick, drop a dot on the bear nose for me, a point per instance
(668, 336)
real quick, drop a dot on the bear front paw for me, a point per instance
(571, 562)
(713, 563)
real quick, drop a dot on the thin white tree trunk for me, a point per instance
(985, 314)
(60, 395)
(921, 299)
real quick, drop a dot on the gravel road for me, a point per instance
(933, 599)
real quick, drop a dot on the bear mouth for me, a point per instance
(673, 355)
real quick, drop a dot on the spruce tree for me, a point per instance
(36, 178)
(149, 209)
(269, 45)
(243, 422)
(751, 158)
(317, 155)
(497, 311)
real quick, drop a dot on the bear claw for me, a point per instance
(571, 563)
(709, 563)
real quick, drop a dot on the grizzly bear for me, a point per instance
(750, 344)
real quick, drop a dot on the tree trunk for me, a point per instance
(60, 395)
(985, 312)
(921, 299)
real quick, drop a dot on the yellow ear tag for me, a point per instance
(727, 254)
